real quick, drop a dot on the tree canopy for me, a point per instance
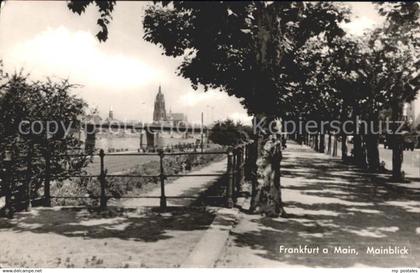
(243, 48)
(248, 51)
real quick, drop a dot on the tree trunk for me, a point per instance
(316, 142)
(300, 138)
(343, 147)
(397, 144)
(372, 149)
(359, 154)
(364, 154)
(322, 143)
(335, 146)
(329, 143)
(267, 199)
(343, 118)
(357, 147)
(397, 158)
(269, 194)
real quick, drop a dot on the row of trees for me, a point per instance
(285, 60)
(351, 77)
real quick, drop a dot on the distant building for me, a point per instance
(177, 118)
(110, 117)
(159, 112)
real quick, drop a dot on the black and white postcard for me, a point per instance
(209, 134)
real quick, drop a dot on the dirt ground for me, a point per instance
(75, 237)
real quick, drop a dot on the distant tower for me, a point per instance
(111, 113)
(159, 113)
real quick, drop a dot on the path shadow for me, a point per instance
(331, 204)
(147, 224)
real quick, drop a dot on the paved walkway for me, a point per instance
(330, 205)
(183, 186)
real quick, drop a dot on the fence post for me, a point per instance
(102, 180)
(243, 161)
(162, 181)
(47, 195)
(246, 159)
(238, 170)
(28, 192)
(234, 173)
(229, 188)
(253, 156)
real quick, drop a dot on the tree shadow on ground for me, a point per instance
(212, 195)
(147, 224)
(333, 204)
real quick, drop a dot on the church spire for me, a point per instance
(159, 112)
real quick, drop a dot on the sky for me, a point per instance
(47, 40)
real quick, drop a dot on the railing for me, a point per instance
(237, 160)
